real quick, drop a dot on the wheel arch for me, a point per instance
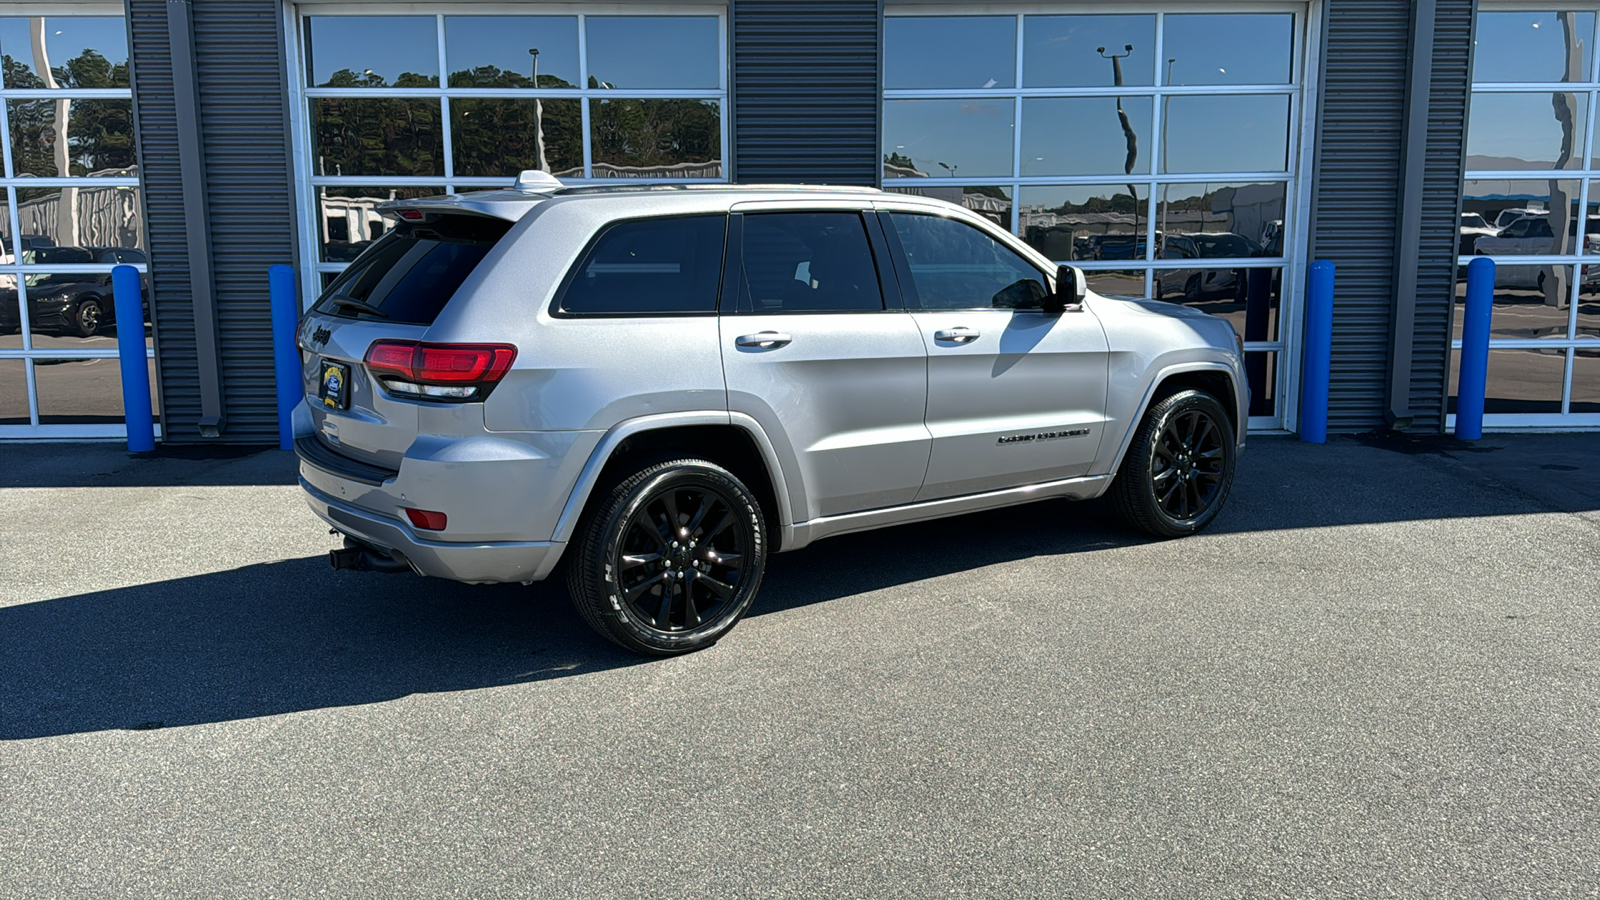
(1215, 378)
(735, 442)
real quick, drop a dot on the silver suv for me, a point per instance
(657, 386)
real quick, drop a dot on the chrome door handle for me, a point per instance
(958, 335)
(763, 339)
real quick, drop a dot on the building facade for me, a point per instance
(1198, 151)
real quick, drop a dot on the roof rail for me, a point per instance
(712, 186)
(535, 180)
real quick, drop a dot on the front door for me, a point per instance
(836, 376)
(1016, 396)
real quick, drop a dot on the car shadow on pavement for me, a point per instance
(289, 636)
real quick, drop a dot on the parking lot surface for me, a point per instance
(1376, 675)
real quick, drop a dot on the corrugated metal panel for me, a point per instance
(1355, 195)
(806, 90)
(1441, 206)
(157, 134)
(239, 64)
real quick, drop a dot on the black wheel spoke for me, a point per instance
(700, 513)
(631, 594)
(670, 501)
(721, 589)
(634, 560)
(732, 560)
(664, 615)
(691, 615)
(727, 519)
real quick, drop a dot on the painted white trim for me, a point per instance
(1541, 422)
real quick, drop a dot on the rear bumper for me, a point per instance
(487, 561)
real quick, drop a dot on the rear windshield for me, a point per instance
(409, 274)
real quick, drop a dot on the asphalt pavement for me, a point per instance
(1376, 675)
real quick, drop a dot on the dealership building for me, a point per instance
(1202, 152)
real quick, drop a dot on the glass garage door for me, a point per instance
(405, 105)
(1158, 151)
(1531, 202)
(70, 212)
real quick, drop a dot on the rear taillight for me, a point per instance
(447, 372)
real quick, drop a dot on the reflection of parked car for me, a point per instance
(1199, 284)
(1532, 236)
(1119, 246)
(1506, 216)
(75, 303)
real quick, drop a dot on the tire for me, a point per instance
(88, 317)
(1193, 290)
(1187, 436)
(1158, 293)
(662, 593)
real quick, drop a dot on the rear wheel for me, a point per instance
(671, 558)
(1179, 468)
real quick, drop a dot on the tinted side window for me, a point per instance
(808, 262)
(650, 267)
(956, 266)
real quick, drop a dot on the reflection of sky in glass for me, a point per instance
(653, 52)
(1060, 51)
(1520, 131)
(1229, 49)
(1073, 197)
(1083, 136)
(1222, 133)
(973, 136)
(388, 45)
(65, 38)
(504, 41)
(1530, 46)
(949, 52)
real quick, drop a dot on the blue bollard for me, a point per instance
(285, 302)
(128, 301)
(1315, 366)
(1474, 382)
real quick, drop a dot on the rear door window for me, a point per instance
(649, 267)
(412, 272)
(808, 262)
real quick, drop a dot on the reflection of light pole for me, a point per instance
(951, 169)
(538, 117)
(67, 202)
(1127, 131)
(1166, 189)
(1169, 70)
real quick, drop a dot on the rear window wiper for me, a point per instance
(362, 305)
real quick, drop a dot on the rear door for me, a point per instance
(816, 349)
(1016, 396)
(393, 290)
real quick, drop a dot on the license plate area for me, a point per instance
(334, 385)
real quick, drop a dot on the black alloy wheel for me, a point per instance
(671, 560)
(86, 319)
(1179, 468)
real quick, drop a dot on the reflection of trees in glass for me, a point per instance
(655, 132)
(349, 78)
(899, 160)
(1121, 203)
(377, 136)
(499, 137)
(99, 132)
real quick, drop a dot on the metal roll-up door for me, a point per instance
(805, 90)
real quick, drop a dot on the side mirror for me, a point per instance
(1070, 291)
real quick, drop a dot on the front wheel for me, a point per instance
(86, 319)
(1179, 468)
(671, 559)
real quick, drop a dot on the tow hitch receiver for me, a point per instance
(356, 556)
